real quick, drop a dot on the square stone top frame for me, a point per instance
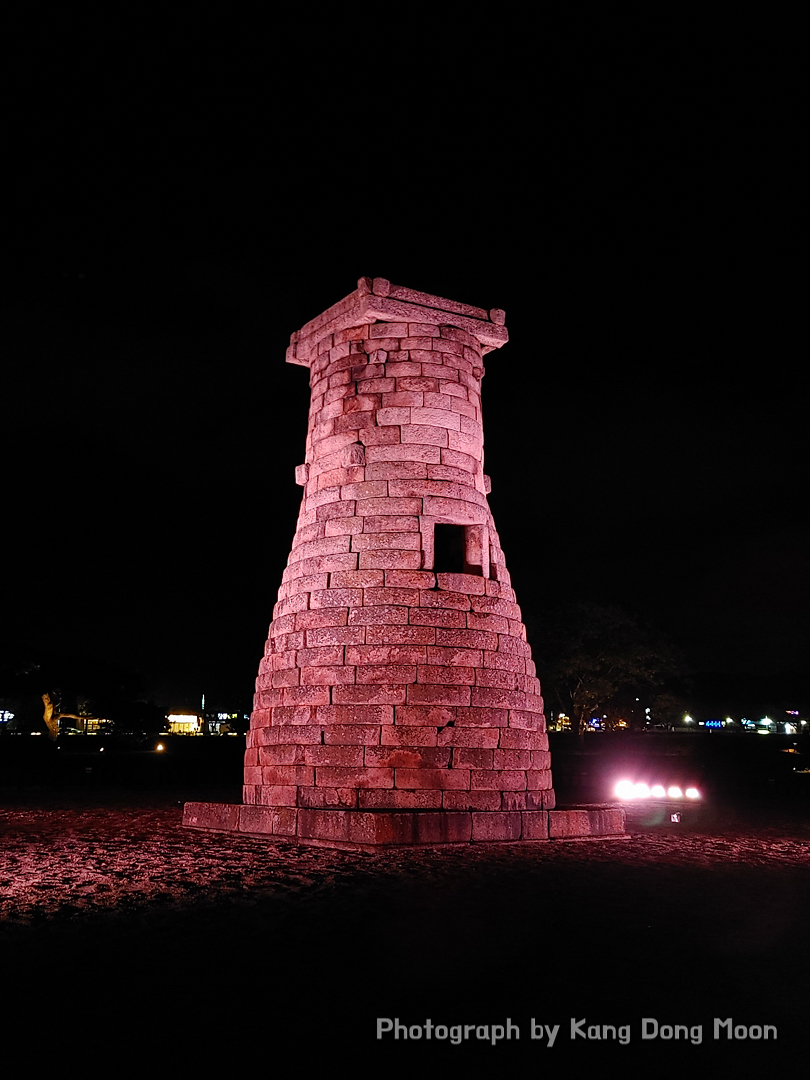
(377, 300)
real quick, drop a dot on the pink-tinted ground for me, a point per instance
(64, 860)
(115, 909)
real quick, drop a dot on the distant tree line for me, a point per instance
(595, 661)
(40, 688)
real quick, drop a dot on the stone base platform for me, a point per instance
(370, 830)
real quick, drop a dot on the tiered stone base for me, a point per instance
(369, 830)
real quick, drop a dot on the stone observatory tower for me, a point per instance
(397, 702)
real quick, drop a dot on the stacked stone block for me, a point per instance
(390, 683)
(397, 702)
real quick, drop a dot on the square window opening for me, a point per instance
(449, 549)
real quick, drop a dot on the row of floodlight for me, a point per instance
(626, 789)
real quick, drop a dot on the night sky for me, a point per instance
(643, 426)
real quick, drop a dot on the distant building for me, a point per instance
(185, 723)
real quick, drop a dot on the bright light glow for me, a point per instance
(688, 720)
(626, 789)
(160, 746)
(184, 723)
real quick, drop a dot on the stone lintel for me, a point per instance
(412, 296)
(373, 829)
(395, 303)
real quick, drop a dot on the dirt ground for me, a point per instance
(125, 937)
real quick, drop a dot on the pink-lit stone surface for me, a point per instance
(369, 631)
(63, 859)
(119, 912)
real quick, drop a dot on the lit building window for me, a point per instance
(185, 723)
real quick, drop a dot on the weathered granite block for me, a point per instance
(222, 817)
(570, 824)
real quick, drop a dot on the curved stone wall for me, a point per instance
(396, 674)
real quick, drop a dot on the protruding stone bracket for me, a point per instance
(301, 474)
(354, 454)
(292, 358)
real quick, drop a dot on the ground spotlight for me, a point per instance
(629, 789)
